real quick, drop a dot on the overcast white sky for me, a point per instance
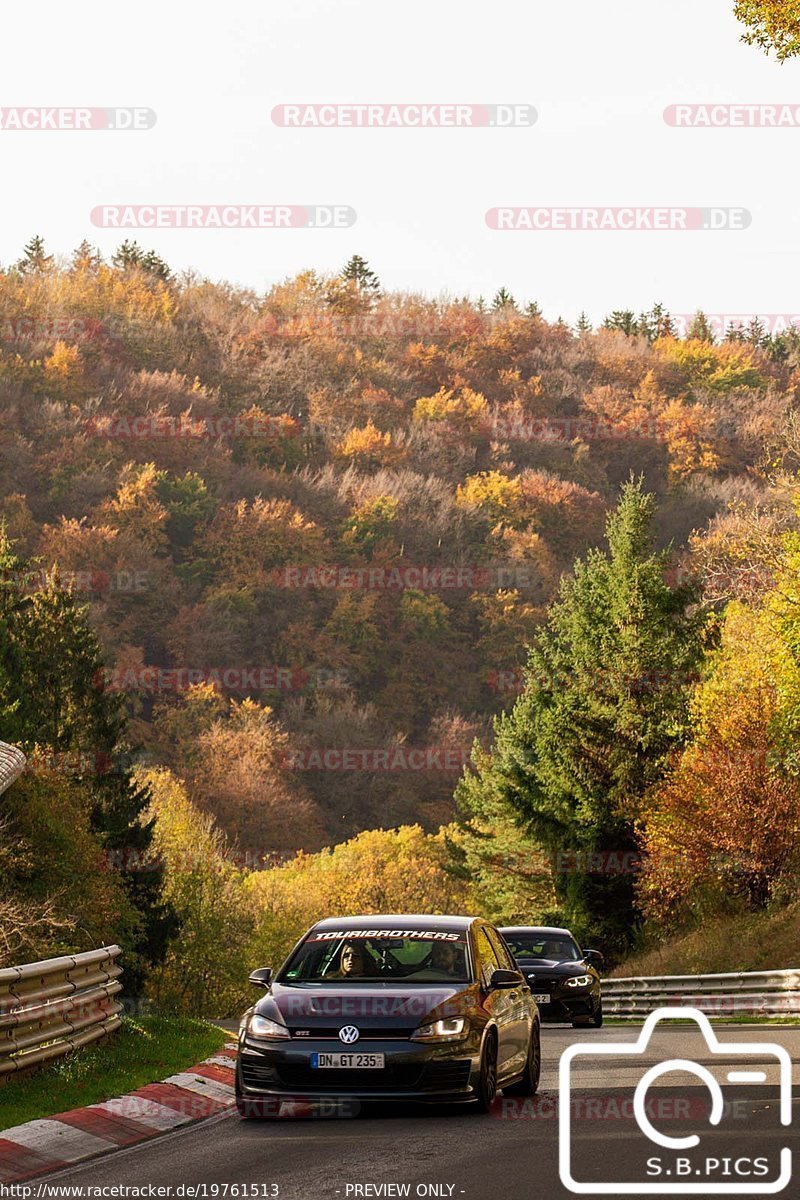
(599, 74)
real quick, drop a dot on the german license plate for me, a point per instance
(350, 1060)
(541, 997)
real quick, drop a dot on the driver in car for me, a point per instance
(445, 960)
(352, 962)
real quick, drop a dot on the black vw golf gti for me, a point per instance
(390, 1008)
(563, 978)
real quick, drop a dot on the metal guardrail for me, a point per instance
(50, 1008)
(745, 993)
(12, 764)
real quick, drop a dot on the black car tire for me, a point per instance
(529, 1084)
(487, 1075)
(594, 1022)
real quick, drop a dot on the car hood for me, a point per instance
(551, 968)
(380, 1007)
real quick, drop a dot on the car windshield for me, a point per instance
(538, 945)
(405, 956)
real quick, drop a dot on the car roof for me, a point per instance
(396, 921)
(546, 930)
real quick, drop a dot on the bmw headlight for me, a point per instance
(580, 981)
(262, 1028)
(449, 1029)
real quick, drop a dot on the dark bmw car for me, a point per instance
(390, 1008)
(563, 978)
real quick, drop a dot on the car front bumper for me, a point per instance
(415, 1071)
(566, 1007)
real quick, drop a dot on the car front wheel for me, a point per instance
(487, 1077)
(529, 1084)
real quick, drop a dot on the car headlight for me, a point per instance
(580, 981)
(262, 1028)
(447, 1030)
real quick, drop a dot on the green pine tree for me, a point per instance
(130, 256)
(605, 701)
(52, 697)
(622, 320)
(700, 329)
(358, 272)
(34, 258)
(503, 300)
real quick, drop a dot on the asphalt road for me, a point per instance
(511, 1154)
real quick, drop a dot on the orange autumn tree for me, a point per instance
(369, 449)
(723, 828)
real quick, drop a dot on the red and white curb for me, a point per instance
(41, 1146)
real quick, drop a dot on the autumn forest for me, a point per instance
(334, 598)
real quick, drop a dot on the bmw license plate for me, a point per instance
(358, 1062)
(541, 997)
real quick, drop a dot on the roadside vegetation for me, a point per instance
(756, 941)
(145, 1050)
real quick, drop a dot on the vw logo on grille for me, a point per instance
(348, 1034)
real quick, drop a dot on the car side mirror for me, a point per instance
(261, 977)
(594, 957)
(502, 980)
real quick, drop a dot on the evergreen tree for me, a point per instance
(660, 323)
(655, 324)
(503, 300)
(735, 333)
(622, 320)
(700, 329)
(86, 257)
(533, 309)
(34, 257)
(757, 334)
(131, 256)
(604, 704)
(52, 697)
(358, 272)
(583, 324)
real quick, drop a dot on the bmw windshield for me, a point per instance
(374, 956)
(549, 949)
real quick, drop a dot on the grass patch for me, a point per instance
(145, 1050)
(763, 941)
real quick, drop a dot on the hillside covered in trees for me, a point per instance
(316, 532)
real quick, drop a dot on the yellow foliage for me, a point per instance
(464, 408)
(368, 448)
(136, 507)
(718, 368)
(495, 494)
(379, 871)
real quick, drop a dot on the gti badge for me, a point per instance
(348, 1034)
